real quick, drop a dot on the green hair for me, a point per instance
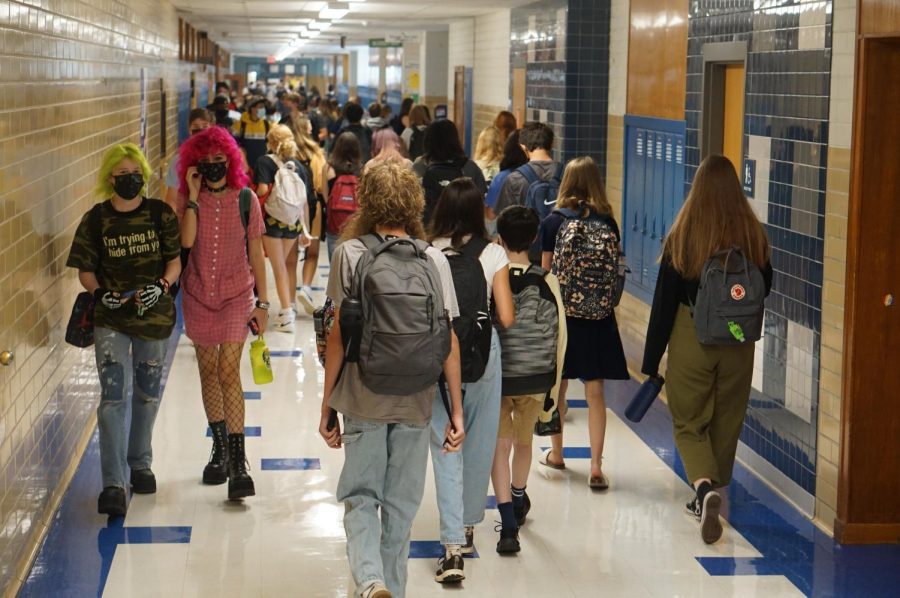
(111, 159)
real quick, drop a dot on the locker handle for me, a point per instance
(644, 229)
(634, 226)
(653, 230)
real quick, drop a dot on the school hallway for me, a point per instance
(634, 540)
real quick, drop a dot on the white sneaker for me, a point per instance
(304, 296)
(285, 321)
(376, 590)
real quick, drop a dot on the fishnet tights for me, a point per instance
(220, 383)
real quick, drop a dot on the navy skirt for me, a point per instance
(594, 350)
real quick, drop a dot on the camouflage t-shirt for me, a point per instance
(134, 248)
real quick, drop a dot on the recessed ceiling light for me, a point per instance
(333, 12)
(320, 25)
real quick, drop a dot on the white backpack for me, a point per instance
(287, 201)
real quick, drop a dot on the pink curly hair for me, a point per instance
(206, 143)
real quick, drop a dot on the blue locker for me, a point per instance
(634, 209)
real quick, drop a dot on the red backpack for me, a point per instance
(341, 203)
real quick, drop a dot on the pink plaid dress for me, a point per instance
(217, 282)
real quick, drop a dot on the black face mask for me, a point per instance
(128, 186)
(213, 172)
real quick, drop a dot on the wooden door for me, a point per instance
(459, 102)
(869, 477)
(733, 121)
(518, 95)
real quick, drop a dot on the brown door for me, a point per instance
(869, 482)
(518, 95)
(459, 102)
(733, 121)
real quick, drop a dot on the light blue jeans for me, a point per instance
(461, 479)
(331, 241)
(384, 470)
(145, 374)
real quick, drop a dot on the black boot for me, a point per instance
(216, 471)
(240, 484)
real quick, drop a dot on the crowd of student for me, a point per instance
(493, 279)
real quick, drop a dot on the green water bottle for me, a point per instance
(260, 361)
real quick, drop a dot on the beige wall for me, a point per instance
(69, 88)
(836, 209)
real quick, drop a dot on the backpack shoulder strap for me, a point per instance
(475, 247)
(567, 213)
(277, 161)
(244, 205)
(371, 241)
(558, 175)
(266, 125)
(95, 227)
(529, 173)
(243, 133)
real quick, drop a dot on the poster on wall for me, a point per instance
(143, 130)
(289, 69)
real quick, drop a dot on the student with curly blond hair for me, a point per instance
(127, 253)
(385, 436)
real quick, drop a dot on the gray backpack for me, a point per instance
(405, 332)
(529, 345)
(730, 301)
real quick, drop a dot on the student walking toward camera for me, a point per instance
(533, 352)
(127, 254)
(581, 245)
(708, 309)
(480, 273)
(285, 187)
(391, 341)
(222, 225)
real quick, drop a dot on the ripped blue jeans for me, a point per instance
(145, 373)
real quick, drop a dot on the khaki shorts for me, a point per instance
(518, 415)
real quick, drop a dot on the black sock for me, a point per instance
(507, 516)
(703, 490)
(518, 496)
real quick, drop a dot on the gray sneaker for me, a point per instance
(469, 546)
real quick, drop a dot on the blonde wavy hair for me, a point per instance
(281, 141)
(307, 149)
(715, 216)
(389, 195)
(489, 149)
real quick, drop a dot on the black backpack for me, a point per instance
(416, 143)
(473, 326)
(437, 176)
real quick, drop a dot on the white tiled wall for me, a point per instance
(460, 48)
(491, 59)
(618, 56)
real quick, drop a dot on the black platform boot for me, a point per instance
(240, 484)
(216, 471)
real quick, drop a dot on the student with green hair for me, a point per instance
(127, 251)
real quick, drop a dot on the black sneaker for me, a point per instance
(710, 526)
(143, 481)
(523, 512)
(112, 502)
(469, 546)
(450, 569)
(509, 542)
(694, 508)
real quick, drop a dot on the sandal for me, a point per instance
(545, 461)
(600, 482)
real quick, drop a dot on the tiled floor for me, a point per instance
(634, 540)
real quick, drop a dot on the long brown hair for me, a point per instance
(715, 216)
(505, 121)
(582, 187)
(390, 195)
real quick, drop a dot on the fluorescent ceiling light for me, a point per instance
(330, 12)
(312, 34)
(321, 26)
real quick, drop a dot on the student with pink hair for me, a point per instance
(387, 147)
(221, 223)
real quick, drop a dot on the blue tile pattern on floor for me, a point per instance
(491, 502)
(577, 403)
(291, 353)
(431, 549)
(290, 464)
(252, 396)
(574, 452)
(249, 431)
(787, 96)
(790, 544)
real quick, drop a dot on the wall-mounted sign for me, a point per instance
(384, 43)
(270, 59)
(748, 177)
(289, 69)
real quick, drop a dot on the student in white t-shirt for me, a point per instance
(462, 478)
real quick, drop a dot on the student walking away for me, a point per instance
(513, 157)
(444, 160)
(400, 121)
(354, 114)
(506, 124)
(127, 253)
(341, 181)
(375, 120)
(387, 147)
(312, 157)
(488, 153)
(534, 348)
(480, 274)
(285, 189)
(581, 246)
(252, 130)
(222, 225)
(383, 358)
(199, 119)
(535, 184)
(710, 330)
(413, 135)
